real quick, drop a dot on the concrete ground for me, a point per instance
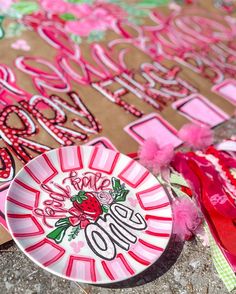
(183, 268)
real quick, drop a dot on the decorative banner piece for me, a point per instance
(205, 112)
(153, 126)
(102, 142)
(227, 89)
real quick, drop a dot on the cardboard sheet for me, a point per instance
(61, 85)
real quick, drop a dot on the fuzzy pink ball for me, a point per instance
(196, 135)
(187, 218)
(155, 157)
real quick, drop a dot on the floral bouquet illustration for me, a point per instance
(86, 207)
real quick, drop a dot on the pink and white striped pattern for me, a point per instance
(45, 252)
(133, 174)
(144, 252)
(158, 225)
(153, 198)
(103, 160)
(118, 269)
(41, 170)
(25, 225)
(81, 268)
(70, 158)
(23, 195)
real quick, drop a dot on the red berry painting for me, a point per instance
(86, 208)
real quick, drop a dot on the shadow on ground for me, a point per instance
(159, 268)
(5, 247)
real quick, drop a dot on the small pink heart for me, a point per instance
(133, 202)
(76, 246)
(21, 44)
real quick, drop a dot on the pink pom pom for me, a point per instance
(187, 218)
(154, 157)
(196, 135)
(148, 150)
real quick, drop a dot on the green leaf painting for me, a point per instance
(153, 3)
(2, 33)
(14, 29)
(74, 233)
(105, 208)
(67, 16)
(25, 7)
(58, 234)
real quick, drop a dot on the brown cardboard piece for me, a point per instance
(4, 235)
(112, 118)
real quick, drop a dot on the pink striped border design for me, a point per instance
(80, 267)
(24, 225)
(41, 169)
(103, 160)
(133, 174)
(46, 252)
(153, 198)
(158, 226)
(70, 158)
(27, 197)
(117, 269)
(145, 253)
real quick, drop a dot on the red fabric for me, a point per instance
(206, 182)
